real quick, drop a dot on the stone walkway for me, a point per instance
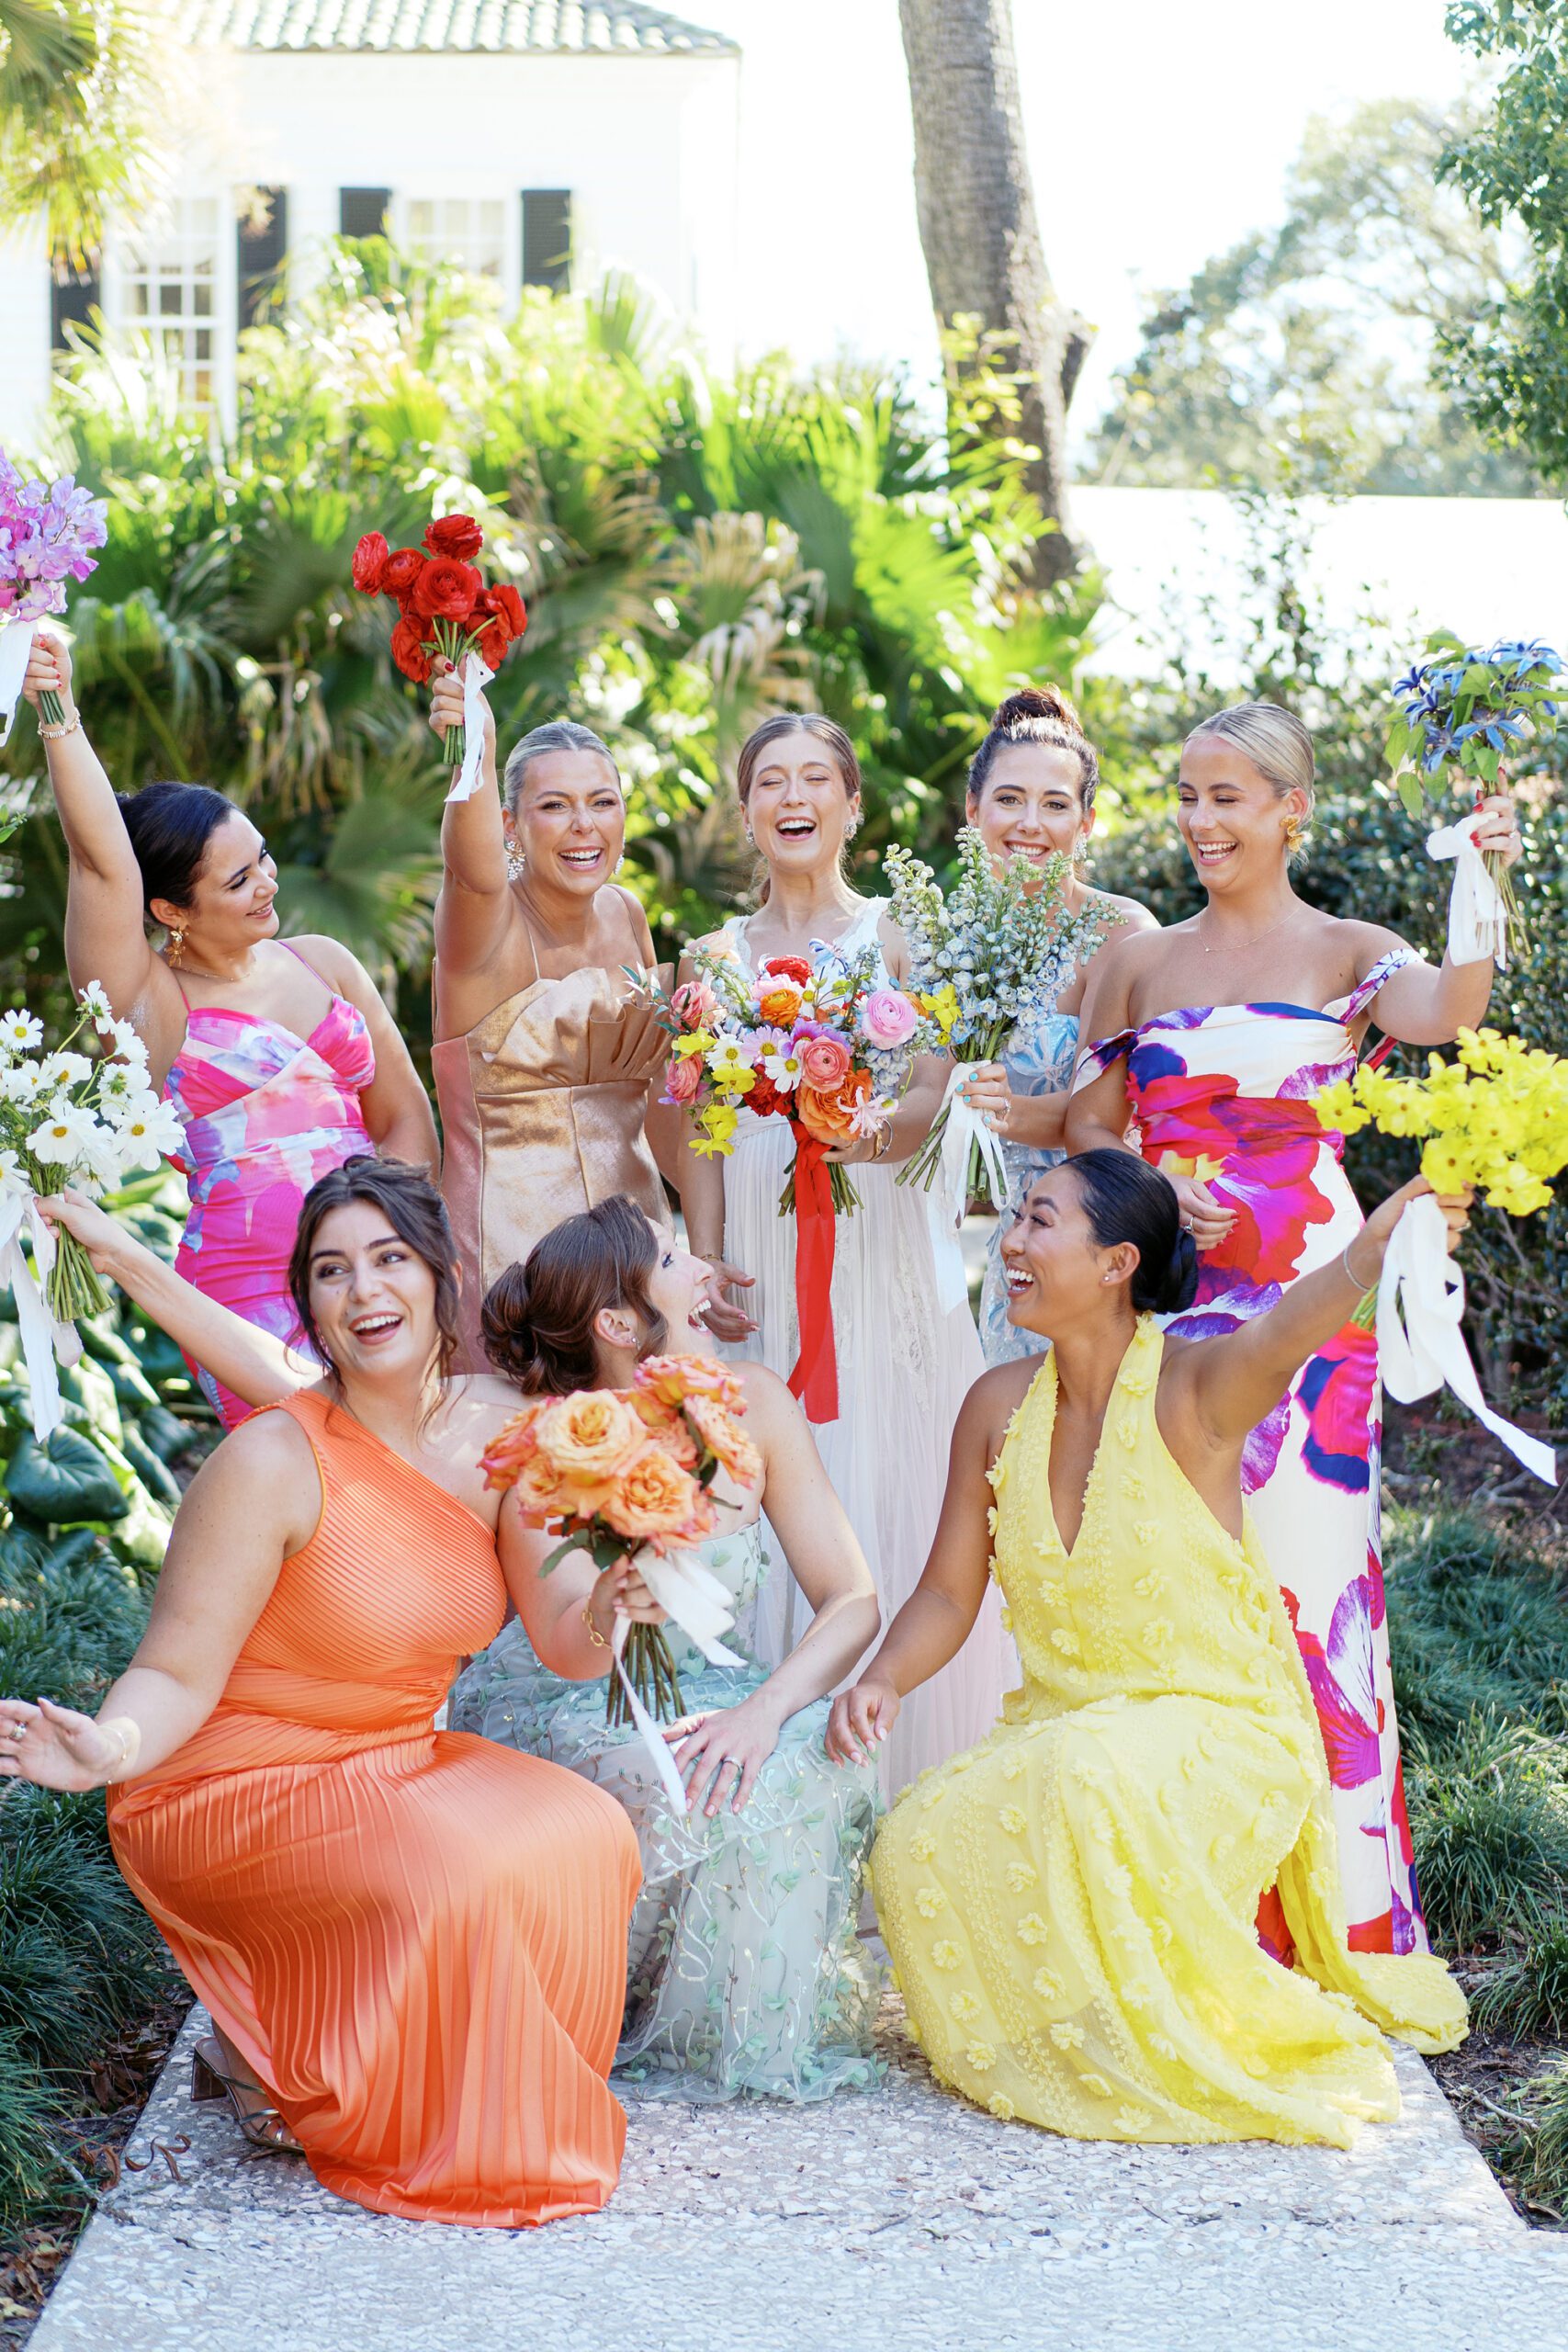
(902, 2217)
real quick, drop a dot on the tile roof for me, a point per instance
(592, 27)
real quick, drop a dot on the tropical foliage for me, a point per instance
(84, 97)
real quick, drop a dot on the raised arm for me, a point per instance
(253, 1364)
(397, 1108)
(106, 936)
(1429, 1004)
(474, 907)
(1226, 1386)
(939, 1615)
(252, 1503)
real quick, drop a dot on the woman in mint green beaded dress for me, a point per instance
(745, 1974)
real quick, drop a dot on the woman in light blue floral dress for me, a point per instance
(746, 1972)
(1032, 792)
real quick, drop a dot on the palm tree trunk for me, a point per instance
(981, 237)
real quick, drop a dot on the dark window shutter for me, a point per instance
(263, 243)
(546, 238)
(362, 211)
(71, 299)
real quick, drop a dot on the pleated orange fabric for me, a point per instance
(418, 1939)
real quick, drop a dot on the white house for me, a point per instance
(541, 141)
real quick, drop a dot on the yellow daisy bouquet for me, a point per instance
(1492, 1122)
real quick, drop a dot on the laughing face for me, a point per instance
(372, 1295)
(1231, 818)
(798, 808)
(1054, 1269)
(232, 899)
(680, 1289)
(570, 822)
(1030, 805)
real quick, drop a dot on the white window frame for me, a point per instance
(171, 244)
(509, 248)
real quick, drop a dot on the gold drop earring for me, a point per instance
(176, 942)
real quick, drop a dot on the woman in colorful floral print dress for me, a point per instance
(1220, 1091)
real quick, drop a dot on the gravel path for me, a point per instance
(899, 2214)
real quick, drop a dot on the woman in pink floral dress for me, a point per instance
(1274, 999)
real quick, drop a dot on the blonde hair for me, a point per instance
(1276, 743)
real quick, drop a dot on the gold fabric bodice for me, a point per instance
(542, 1110)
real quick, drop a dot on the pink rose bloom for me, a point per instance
(888, 1018)
(695, 1003)
(825, 1064)
(682, 1077)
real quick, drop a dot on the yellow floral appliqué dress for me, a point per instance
(1071, 1906)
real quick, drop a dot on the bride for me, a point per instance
(904, 1362)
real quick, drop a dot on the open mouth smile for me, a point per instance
(369, 1328)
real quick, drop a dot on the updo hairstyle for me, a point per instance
(537, 1318)
(1278, 744)
(1126, 1200)
(169, 826)
(1038, 715)
(555, 735)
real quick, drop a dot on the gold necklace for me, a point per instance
(1224, 945)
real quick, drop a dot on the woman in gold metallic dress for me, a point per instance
(544, 1052)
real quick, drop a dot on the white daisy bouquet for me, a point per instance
(983, 958)
(67, 1117)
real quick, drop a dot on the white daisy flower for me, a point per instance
(783, 1069)
(95, 1003)
(65, 1070)
(19, 1032)
(148, 1134)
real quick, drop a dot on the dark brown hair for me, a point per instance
(537, 1318)
(1038, 715)
(417, 1215)
(773, 730)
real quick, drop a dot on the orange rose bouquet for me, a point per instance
(624, 1473)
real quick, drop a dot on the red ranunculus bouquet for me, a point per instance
(443, 604)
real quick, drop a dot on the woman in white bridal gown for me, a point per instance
(905, 1362)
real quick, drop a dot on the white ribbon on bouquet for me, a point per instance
(15, 644)
(949, 1194)
(43, 1340)
(476, 678)
(1420, 1344)
(693, 1598)
(1478, 921)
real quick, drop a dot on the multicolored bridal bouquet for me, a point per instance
(1494, 1122)
(825, 1044)
(627, 1472)
(67, 1118)
(443, 606)
(48, 536)
(1465, 707)
(985, 956)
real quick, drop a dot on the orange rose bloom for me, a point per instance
(829, 1116)
(588, 1436)
(517, 1443)
(778, 1002)
(723, 1436)
(671, 1379)
(667, 1428)
(539, 1490)
(652, 1497)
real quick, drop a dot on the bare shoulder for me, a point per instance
(1124, 914)
(488, 1392)
(268, 1468)
(1367, 943)
(768, 1402)
(991, 1403)
(337, 965)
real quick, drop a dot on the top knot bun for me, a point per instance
(1038, 702)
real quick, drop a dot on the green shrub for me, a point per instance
(1535, 2156)
(1477, 1619)
(1489, 1817)
(1527, 1993)
(29, 2163)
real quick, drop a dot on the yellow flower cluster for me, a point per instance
(1494, 1121)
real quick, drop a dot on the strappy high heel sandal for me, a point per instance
(262, 2125)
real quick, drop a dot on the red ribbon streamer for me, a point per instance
(814, 1379)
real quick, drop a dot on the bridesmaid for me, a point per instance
(543, 1051)
(1070, 1908)
(280, 1057)
(1197, 1041)
(1032, 792)
(904, 1362)
(409, 1941)
(747, 1975)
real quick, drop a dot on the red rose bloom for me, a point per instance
(765, 1099)
(445, 590)
(409, 651)
(789, 967)
(494, 646)
(509, 604)
(400, 572)
(369, 561)
(454, 534)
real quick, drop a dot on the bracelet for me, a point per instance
(882, 1142)
(1345, 1262)
(66, 727)
(128, 1731)
(595, 1635)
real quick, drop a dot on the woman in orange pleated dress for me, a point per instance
(411, 1943)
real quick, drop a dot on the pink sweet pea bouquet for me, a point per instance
(47, 537)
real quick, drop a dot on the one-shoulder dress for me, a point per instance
(542, 1108)
(1223, 1092)
(266, 1114)
(745, 1974)
(417, 1938)
(1070, 1906)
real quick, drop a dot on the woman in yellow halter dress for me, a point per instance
(1070, 1906)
